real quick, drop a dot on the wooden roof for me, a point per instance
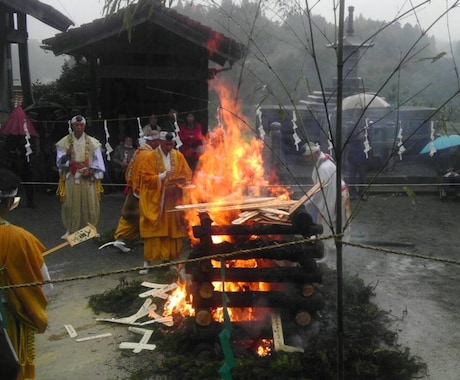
(79, 41)
(42, 12)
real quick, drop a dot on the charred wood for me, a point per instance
(258, 229)
(276, 274)
(292, 252)
(262, 299)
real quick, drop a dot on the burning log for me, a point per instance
(304, 253)
(289, 288)
(271, 299)
(203, 317)
(276, 274)
(265, 249)
(257, 229)
(205, 290)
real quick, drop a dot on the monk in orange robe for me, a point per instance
(21, 262)
(128, 224)
(157, 180)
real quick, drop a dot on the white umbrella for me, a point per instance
(363, 100)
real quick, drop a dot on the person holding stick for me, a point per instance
(81, 167)
(21, 262)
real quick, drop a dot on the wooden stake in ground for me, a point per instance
(278, 336)
(86, 233)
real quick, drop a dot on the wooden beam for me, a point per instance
(93, 92)
(24, 67)
(154, 48)
(151, 72)
(16, 36)
(43, 12)
(5, 99)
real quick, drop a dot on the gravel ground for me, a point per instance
(422, 295)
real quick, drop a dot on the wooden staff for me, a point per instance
(86, 233)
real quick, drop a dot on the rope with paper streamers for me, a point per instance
(225, 335)
(233, 255)
(108, 147)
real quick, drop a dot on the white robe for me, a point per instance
(325, 203)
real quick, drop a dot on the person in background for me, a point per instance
(358, 166)
(451, 173)
(128, 224)
(157, 180)
(152, 125)
(81, 168)
(21, 262)
(122, 156)
(324, 201)
(169, 124)
(191, 135)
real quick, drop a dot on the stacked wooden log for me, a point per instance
(291, 273)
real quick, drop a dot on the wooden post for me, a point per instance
(277, 159)
(5, 100)
(93, 99)
(24, 67)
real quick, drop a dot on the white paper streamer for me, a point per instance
(69, 127)
(401, 148)
(108, 147)
(261, 127)
(367, 145)
(294, 126)
(433, 149)
(330, 146)
(219, 122)
(27, 137)
(176, 129)
(141, 139)
(139, 125)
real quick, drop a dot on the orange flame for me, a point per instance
(264, 348)
(178, 302)
(231, 165)
(213, 43)
(230, 168)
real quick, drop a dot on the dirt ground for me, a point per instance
(422, 295)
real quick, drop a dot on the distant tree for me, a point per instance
(74, 78)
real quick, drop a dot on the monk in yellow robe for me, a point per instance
(157, 180)
(128, 224)
(21, 262)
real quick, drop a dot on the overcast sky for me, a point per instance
(84, 11)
